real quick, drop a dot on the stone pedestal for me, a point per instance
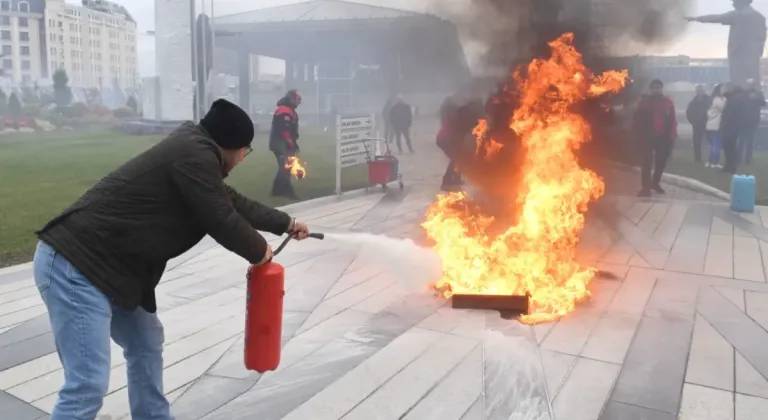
(173, 58)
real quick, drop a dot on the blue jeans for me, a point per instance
(82, 320)
(716, 147)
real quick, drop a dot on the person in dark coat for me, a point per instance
(446, 141)
(754, 102)
(732, 124)
(401, 118)
(98, 263)
(284, 142)
(697, 116)
(389, 133)
(656, 124)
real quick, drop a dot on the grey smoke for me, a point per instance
(512, 30)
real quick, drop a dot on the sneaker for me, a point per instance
(658, 189)
(707, 165)
(718, 166)
(644, 193)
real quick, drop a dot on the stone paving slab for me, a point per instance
(681, 333)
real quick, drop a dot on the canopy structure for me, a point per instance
(340, 50)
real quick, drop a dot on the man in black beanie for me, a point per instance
(97, 264)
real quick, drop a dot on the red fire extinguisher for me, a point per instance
(264, 313)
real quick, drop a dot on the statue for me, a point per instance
(746, 39)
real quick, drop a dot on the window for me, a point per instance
(5, 20)
(7, 64)
(7, 50)
(24, 50)
(5, 6)
(23, 22)
(6, 35)
(25, 65)
(23, 7)
(24, 36)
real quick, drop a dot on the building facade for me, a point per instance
(22, 40)
(94, 42)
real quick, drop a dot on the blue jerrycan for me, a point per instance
(743, 193)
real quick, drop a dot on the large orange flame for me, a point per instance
(536, 255)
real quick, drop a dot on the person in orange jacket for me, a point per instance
(284, 142)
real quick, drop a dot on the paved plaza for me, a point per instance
(680, 334)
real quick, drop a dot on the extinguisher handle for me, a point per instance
(282, 245)
(288, 239)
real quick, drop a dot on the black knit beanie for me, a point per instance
(229, 126)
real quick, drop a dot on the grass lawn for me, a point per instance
(682, 163)
(41, 174)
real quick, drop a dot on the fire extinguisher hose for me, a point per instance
(288, 239)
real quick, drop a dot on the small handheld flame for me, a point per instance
(296, 168)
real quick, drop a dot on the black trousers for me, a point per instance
(281, 186)
(698, 138)
(731, 150)
(655, 156)
(389, 132)
(399, 134)
(452, 177)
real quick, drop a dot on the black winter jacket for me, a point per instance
(401, 116)
(733, 119)
(121, 233)
(696, 113)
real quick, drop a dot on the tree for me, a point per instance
(62, 93)
(14, 106)
(3, 103)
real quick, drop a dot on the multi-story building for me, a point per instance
(22, 40)
(94, 42)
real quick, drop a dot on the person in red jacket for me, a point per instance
(656, 124)
(284, 142)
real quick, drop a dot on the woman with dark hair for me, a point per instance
(714, 136)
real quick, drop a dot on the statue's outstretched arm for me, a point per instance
(723, 19)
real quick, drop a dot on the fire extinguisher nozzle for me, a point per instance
(317, 235)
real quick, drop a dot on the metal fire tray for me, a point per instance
(507, 304)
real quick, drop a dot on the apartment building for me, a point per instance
(94, 42)
(21, 40)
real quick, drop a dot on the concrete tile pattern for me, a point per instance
(680, 333)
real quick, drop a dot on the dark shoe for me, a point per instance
(644, 193)
(658, 189)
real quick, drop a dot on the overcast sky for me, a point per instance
(699, 41)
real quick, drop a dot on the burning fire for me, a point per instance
(294, 165)
(536, 254)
